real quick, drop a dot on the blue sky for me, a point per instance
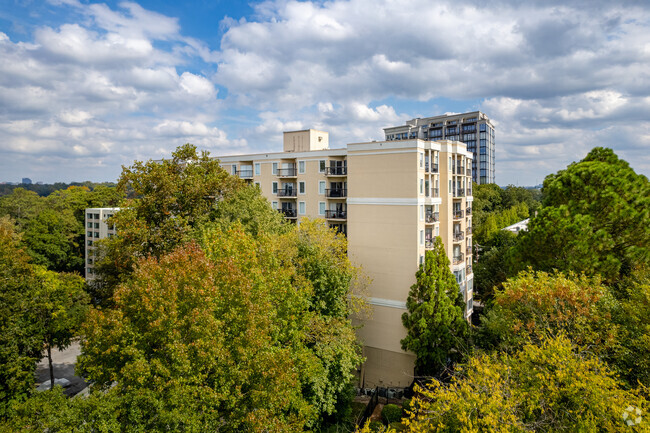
(86, 87)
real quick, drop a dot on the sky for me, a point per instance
(87, 87)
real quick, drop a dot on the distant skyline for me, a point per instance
(86, 87)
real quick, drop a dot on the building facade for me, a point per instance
(96, 229)
(474, 129)
(391, 198)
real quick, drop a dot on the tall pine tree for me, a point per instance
(434, 322)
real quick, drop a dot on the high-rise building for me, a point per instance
(96, 229)
(391, 198)
(474, 129)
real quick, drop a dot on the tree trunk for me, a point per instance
(49, 358)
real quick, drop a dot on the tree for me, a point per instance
(21, 205)
(21, 336)
(61, 303)
(549, 387)
(223, 336)
(537, 304)
(436, 328)
(169, 201)
(492, 267)
(594, 220)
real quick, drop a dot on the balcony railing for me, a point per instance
(428, 243)
(459, 236)
(468, 250)
(460, 192)
(287, 192)
(435, 192)
(460, 170)
(434, 168)
(468, 211)
(336, 193)
(432, 217)
(336, 214)
(469, 230)
(468, 269)
(245, 174)
(289, 213)
(336, 171)
(458, 259)
(287, 172)
(469, 192)
(458, 214)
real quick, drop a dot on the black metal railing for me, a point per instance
(460, 258)
(460, 170)
(372, 404)
(245, 174)
(336, 192)
(460, 192)
(432, 217)
(468, 211)
(289, 213)
(336, 171)
(287, 192)
(458, 214)
(428, 243)
(434, 168)
(459, 236)
(435, 192)
(336, 214)
(287, 172)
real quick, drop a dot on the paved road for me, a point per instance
(63, 362)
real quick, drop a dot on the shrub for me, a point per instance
(391, 413)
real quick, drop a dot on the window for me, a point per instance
(90, 243)
(274, 168)
(421, 212)
(96, 234)
(437, 230)
(421, 259)
(258, 169)
(421, 160)
(321, 187)
(421, 237)
(96, 216)
(301, 167)
(90, 234)
(257, 184)
(301, 207)
(322, 165)
(421, 186)
(96, 225)
(481, 127)
(233, 169)
(301, 187)
(450, 187)
(274, 205)
(89, 216)
(321, 208)
(450, 165)
(90, 225)
(274, 188)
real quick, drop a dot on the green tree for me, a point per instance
(550, 387)
(492, 267)
(594, 220)
(436, 329)
(61, 303)
(170, 200)
(21, 336)
(22, 206)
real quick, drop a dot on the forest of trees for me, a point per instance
(211, 313)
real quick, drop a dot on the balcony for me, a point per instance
(469, 172)
(458, 214)
(288, 213)
(428, 243)
(460, 192)
(432, 217)
(469, 230)
(459, 236)
(469, 192)
(287, 172)
(460, 170)
(336, 193)
(434, 168)
(459, 259)
(245, 174)
(287, 192)
(468, 250)
(468, 211)
(336, 171)
(336, 214)
(468, 269)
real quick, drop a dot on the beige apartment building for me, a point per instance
(96, 229)
(391, 198)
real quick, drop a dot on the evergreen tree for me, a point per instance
(436, 328)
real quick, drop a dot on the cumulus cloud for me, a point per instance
(556, 77)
